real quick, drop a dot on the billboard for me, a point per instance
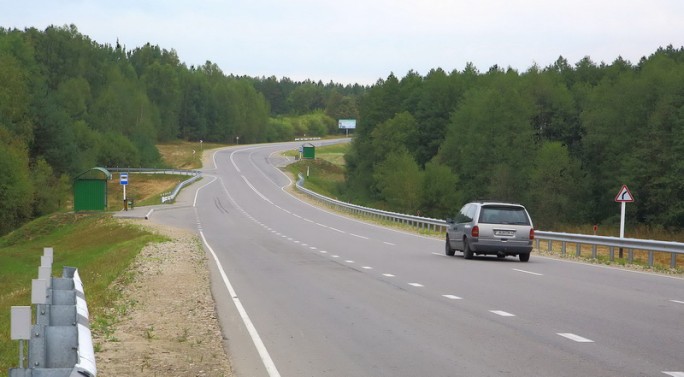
(346, 124)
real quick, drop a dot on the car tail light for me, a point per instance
(475, 232)
(531, 233)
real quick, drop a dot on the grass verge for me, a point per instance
(185, 154)
(99, 246)
(325, 172)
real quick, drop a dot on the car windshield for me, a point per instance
(504, 215)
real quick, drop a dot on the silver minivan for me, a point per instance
(490, 228)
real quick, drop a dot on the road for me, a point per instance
(302, 291)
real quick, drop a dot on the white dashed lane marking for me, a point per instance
(528, 272)
(452, 297)
(575, 337)
(570, 336)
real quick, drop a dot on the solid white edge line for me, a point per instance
(674, 374)
(233, 161)
(194, 202)
(258, 343)
(677, 301)
(575, 337)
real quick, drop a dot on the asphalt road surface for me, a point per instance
(302, 291)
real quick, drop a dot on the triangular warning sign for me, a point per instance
(624, 196)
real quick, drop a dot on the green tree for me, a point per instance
(399, 180)
(16, 190)
(441, 197)
(439, 97)
(15, 98)
(397, 133)
(489, 141)
(164, 91)
(306, 98)
(50, 191)
(556, 187)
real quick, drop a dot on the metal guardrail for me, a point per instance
(167, 196)
(613, 243)
(154, 171)
(630, 244)
(415, 221)
(60, 341)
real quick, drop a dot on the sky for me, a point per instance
(361, 41)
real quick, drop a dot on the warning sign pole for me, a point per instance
(623, 197)
(623, 209)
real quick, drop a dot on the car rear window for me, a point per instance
(504, 215)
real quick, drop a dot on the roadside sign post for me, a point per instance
(123, 179)
(623, 197)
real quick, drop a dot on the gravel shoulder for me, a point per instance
(165, 323)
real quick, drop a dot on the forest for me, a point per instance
(561, 139)
(68, 104)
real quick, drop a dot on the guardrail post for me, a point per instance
(578, 249)
(630, 255)
(673, 260)
(594, 251)
(20, 328)
(650, 258)
(611, 252)
(563, 245)
(60, 341)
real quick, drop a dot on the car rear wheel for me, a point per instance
(524, 257)
(467, 251)
(447, 248)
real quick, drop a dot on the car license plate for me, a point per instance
(504, 233)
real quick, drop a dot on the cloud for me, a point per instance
(363, 40)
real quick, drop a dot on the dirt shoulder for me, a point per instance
(165, 323)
